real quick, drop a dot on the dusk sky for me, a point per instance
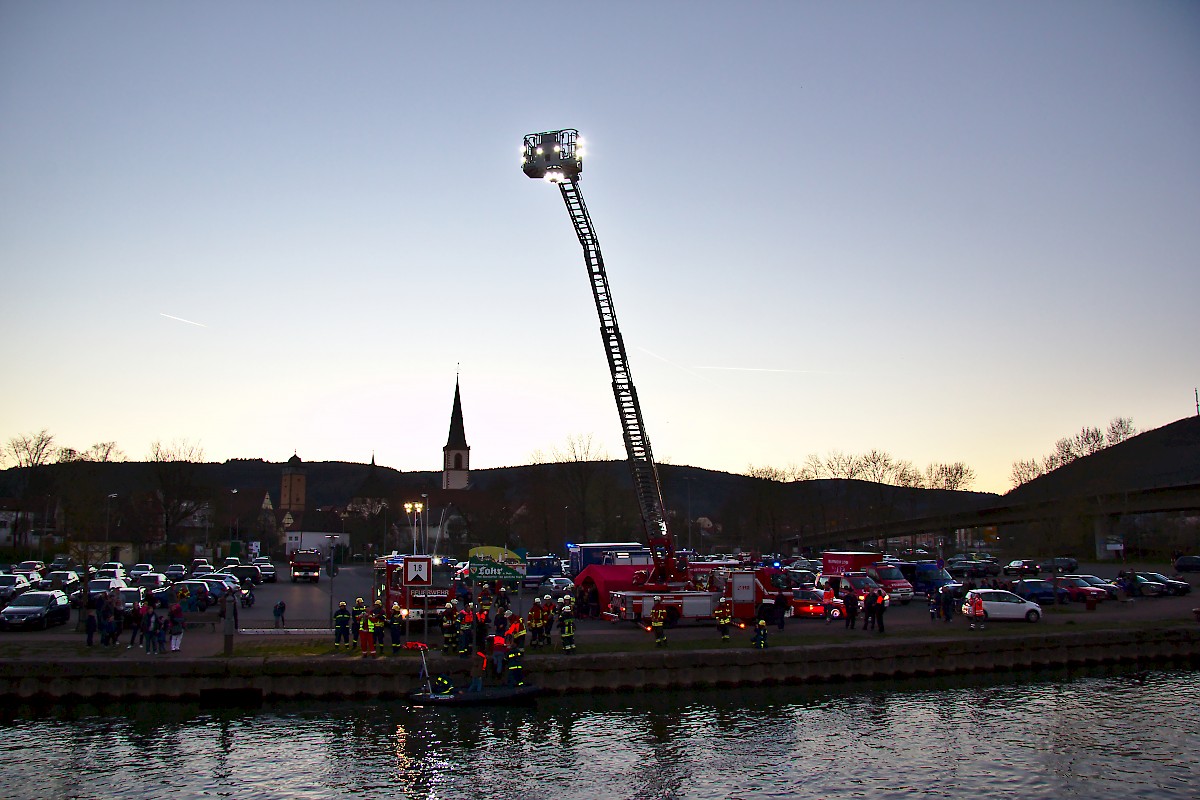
(952, 231)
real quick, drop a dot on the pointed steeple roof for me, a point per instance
(458, 435)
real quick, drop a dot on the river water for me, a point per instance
(1095, 734)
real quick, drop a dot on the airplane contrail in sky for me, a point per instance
(768, 369)
(181, 319)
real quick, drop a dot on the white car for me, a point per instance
(139, 570)
(1000, 604)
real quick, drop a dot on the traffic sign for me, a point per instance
(418, 571)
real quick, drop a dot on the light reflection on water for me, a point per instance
(1092, 735)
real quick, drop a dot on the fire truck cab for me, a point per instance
(421, 603)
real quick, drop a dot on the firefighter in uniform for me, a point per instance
(485, 603)
(548, 613)
(396, 627)
(357, 614)
(378, 623)
(658, 622)
(513, 666)
(341, 626)
(978, 615)
(449, 628)
(566, 627)
(536, 617)
(501, 601)
(466, 631)
(516, 630)
(760, 635)
(724, 618)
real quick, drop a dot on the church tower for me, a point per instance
(456, 456)
(291, 493)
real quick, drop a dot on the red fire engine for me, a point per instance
(418, 603)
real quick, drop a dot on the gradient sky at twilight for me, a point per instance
(951, 231)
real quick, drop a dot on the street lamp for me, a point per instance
(332, 538)
(414, 513)
(236, 521)
(107, 526)
(425, 525)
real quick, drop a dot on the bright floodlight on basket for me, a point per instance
(554, 155)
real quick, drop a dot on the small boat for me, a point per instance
(487, 696)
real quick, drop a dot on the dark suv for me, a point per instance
(1022, 567)
(1060, 565)
(1187, 564)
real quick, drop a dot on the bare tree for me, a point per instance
(877, 466)
(957, 476)
(576, 472)
(1025, 471)
(30, 449)
(1120, 429)
(176, 469)
(813, 469)
(905, 474)
(841, 465)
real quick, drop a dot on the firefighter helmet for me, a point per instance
(566, 609)
(378, 602)
(657, 599)
(359, 601)
(342, 604)
(724, 599)
(762, 623)
(396, 606)
(547, 597)
(507, 613)
(449, 605)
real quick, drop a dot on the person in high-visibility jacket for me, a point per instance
(366, 634)
(827, 598)
(724, 617)
(449, 628)
(658, 622)
(566, 627)
(378, 625)
(536, 617)
(514, 667)
(341, 626)
(978, 615)
(760, 635)
(466, 631)
(516, 631)
(396, 621)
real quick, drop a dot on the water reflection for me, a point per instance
(1064, 735)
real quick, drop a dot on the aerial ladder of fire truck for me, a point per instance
(557, 156)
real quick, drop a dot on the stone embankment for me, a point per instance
(245, 679)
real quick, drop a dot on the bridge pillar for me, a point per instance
(1104, 528)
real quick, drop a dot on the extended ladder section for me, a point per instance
(637, 443)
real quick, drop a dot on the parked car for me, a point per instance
(151, 580)
(65, 580)
(1023, 566)
(1187, 564)
(810, 604)
(1059, 565)
(139, 570)
(1146, 587)
(12, 586)
(802, 578)
(36, 610)
(231, 561)
(31, 575)
(217, 585)
(1109, 587)
(1039, 591)
(1001, 604)
(1081, 590)
(1174, 587)
(198, 593)
(99, 586)
(133, 597)
(118, 566)
(267, 569)
(245, 573)
(202, 569)
(557, 584)
(176, 572)
(32, 566)
(969, 568)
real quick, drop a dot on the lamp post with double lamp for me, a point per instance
(425, 523)
(414, 514)
(332, 538)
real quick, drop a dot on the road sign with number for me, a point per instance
(418, 571)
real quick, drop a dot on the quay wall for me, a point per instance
(249, 680)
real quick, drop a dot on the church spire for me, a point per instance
(456, 455)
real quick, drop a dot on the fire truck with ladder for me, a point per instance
(628, 591)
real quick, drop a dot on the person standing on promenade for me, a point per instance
(868, 602)
(781, 609)
(358, 615)
(658, 622)
(366, 636)
(175, 621)
(947, 596)
(536, 617)
(566, 626)
(724, 617)
(341, 626)
(978, 614)
(880, 608)
(396, 627)
(935, 607)
(850, 607)
(91, 625)
(827, 602)
(278, 611)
